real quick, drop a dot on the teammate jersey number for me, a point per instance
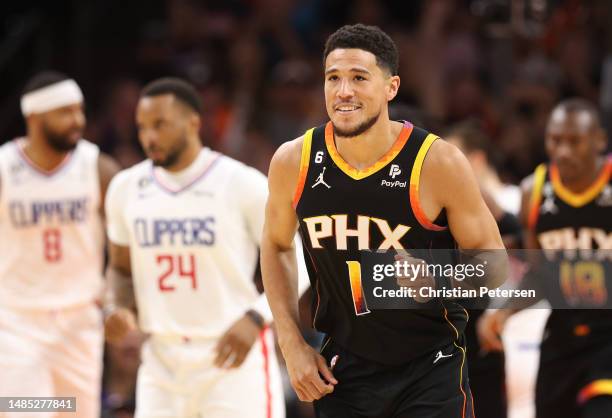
(52, 245)
(180, 265)
(583, 282)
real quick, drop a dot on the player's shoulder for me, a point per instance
(6, 145)
(529, 182)
(446, 158)
(131, 175)
(9, 148)
(87, 146)
(288, 156)
(233, 169)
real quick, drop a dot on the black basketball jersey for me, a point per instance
(575, 232)
(342, 211)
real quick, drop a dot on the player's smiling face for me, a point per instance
(357, 90)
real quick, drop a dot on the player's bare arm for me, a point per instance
(279, 271)
(120, 303)
(448, 182)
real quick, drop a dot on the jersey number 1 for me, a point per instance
(361, 307)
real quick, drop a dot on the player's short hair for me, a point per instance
(182, 90)
(43, 79)
(367, 38)
(578, 104)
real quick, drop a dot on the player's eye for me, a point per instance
(360, 78)
(332, 78)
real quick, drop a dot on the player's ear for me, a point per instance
(195, 121)
(393, 84)
(602, 141)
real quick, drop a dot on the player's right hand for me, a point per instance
(490, 327)
(118, 323)
(310, 376)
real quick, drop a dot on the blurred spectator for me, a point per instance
(114, 128)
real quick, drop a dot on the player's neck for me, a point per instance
(588, 177)
(39, 152)
(366, 149)
(187, 157)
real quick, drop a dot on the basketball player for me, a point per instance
(335, 183)
(52, 185)
(185, 226)
(566, 205)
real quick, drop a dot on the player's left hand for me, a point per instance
(236, 343)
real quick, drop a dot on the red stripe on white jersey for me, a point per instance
(266, 356)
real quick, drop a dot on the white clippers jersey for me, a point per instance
(193, 249)
(51, 235)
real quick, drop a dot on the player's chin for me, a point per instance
(346, 126)
(158, 159)
(568, 170)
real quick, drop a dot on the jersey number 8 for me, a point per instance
(52, 245)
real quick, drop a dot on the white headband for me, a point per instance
(48, 98)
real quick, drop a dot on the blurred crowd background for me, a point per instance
(258, 65)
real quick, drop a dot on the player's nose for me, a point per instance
(148, 136)
(78, 119)
(563, 153)
(345, 91)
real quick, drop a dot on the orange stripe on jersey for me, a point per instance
(305, 160)
(351, 171)
(461, 379)
(580, 199)
(539, 177)
(450, 323)
(415, 178)
(595, 388)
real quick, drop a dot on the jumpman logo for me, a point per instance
(320, 180)
(440, 356)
